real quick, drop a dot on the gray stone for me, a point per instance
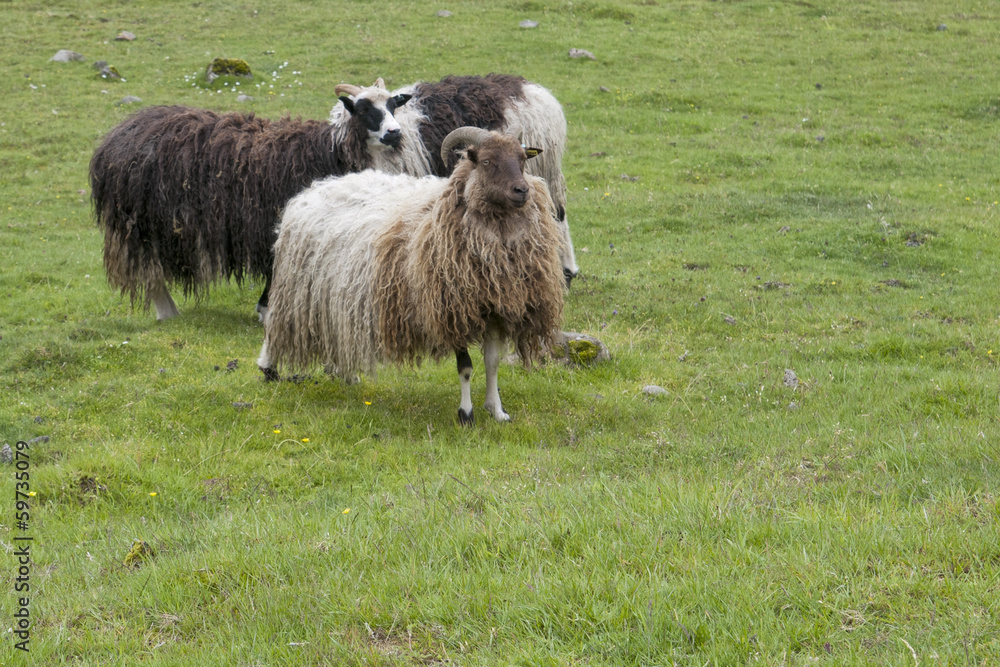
(581, 53)
(793, 406)
(125, 36)
(128, 99)
(528, 23)
(444, 13)
(578, 348)
(942, 27)
(244, 98)
(6, 456)
(227, 67)
(108, 71)
(39, 439)
(791, 380)
(653, 390)
(66, 56)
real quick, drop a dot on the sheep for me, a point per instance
(492, 102)
(190, 196)
(378, 267)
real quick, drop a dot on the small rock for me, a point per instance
(125, 36)
(108, 71)
(581, 53)
(227, 67)
(653, 390)
(793, 406)
(66, 56)
(39, 420)
(604, 89)
(244, 98)
(443, 13)
(729, 319)
(771, 285)
(128, 99)
(791, 380)
(578, 348)
(820, 138)
(240, 405)
(528, 23)
(6, 455)
(785, 230)
(626, 177)
(942, 27)
(139, 552)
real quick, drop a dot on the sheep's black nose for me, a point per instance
(521, 189)
(392, 138)
(568, 275)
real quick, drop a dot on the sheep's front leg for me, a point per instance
(491, 359)
(464, 361)
(164, 304)
(264, 364)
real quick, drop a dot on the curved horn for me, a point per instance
(461, 136)
(342, 88)
(516, 130)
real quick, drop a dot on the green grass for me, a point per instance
(808, 186)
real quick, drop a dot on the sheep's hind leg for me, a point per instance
(491, 359)
(464, 361)
(262, 302)
(164, 304)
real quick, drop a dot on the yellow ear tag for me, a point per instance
(532, 152)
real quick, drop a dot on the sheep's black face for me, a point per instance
(376, 116)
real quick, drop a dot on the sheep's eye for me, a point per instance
(486, 162)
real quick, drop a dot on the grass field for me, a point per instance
(754, 186)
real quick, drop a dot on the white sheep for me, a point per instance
(379, 267)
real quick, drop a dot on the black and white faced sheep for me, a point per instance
(377, 267)
(493, 102)
(188, 196)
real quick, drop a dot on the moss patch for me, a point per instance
(227, 67)
(582, 351)
(139, 553)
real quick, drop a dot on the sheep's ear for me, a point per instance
(470, 153)
(532, 152)
(348, 104)
(400, 100)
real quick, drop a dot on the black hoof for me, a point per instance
(270, 375)
(466, 418)
(568, 275)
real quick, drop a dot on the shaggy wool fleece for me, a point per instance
(379, 267)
